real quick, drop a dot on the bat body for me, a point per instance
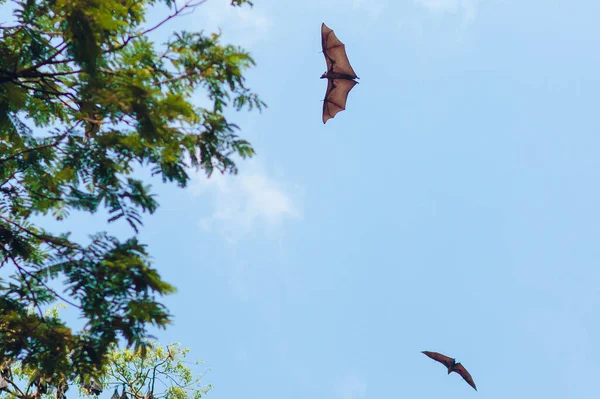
(340, 75)
(5, 376)
(451, 364)
(61, 389)
(93, 388)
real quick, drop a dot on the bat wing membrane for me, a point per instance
(335, 53)
(438, 357)
(336, 96)
(462, 371)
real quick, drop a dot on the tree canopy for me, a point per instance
(159, 373)
(107, 100)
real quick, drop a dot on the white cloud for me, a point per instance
(372, 7)
(240, 25)
(246, 24)
(351, 386)
(242, 204)
(468, 7)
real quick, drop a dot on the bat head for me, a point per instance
(451, 368)
(324, 75)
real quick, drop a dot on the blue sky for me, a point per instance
(453, 207)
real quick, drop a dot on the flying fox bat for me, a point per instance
(93, 388)
(340, 75)
(452, 366)
(61, 388)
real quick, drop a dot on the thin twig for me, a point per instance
(46, 61)
(20, 270)
(59, 139)
(9, 178)
(177, 12)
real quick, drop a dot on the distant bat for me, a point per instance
(5, 376)
(340, 75)
(41, 385)
(61, 388)
(93, 388)
(452, 366)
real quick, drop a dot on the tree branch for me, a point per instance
(20, 270)
(187, 5)
(46, 61)
(59, 139)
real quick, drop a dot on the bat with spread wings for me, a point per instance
(452, 366)
(340, 75)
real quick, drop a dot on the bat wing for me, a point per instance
(459, 369)
(94, 388)
(438, 357)
(336, 96)
(335, 53)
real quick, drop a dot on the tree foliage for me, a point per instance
(108, 100)
(159, 373)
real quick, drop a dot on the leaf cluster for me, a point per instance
(155, 373)
(108, 100)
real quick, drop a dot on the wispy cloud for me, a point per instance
(247, 202)
(371, 7)
(244, 24)
(351, 386)
(466, 7)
